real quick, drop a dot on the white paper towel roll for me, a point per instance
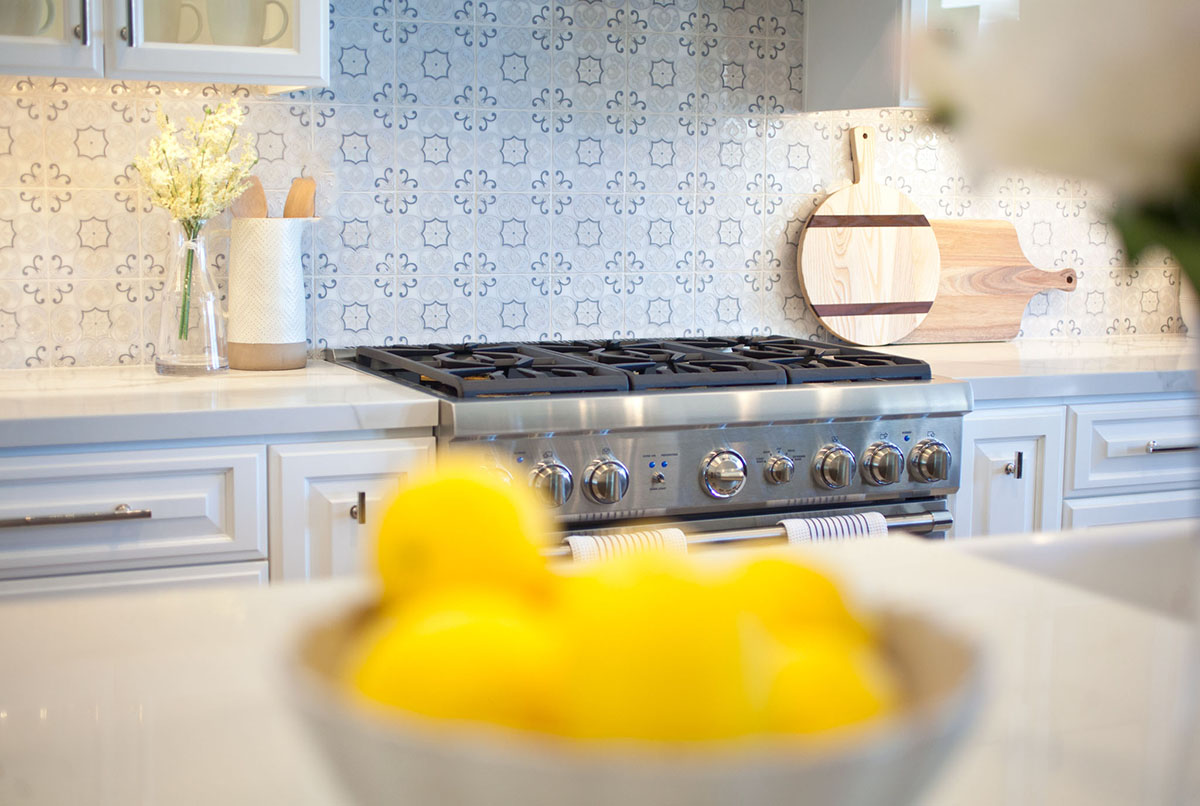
(836, 527)
(604, 547)
(266, 281)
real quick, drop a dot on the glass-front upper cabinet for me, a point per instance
(248, 41)
(49, 37)
(274, 42)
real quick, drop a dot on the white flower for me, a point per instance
(198, 177)
(1106, 89)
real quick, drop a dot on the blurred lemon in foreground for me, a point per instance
(655, 653)
(828, 680)
(792, 599)
(462, 526)
(474, 626)
(465, 655)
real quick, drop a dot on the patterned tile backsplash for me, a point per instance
(514, 170)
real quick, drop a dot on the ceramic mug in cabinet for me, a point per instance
(243, 22)
(26, 17)
(161, 20)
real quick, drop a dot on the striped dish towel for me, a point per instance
(836, 527)
(586, 548)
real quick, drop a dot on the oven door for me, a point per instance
(925, 518)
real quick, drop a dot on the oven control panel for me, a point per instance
(630, 474)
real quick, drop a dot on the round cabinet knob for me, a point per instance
(553, 483)
(780, 469)
(882, 463)
(723, 473)
(834, 466)
(929, 461)
(606, 481)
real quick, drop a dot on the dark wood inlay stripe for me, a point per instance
(871, 308)
(868, 221)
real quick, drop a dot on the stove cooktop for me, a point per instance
(587, 366)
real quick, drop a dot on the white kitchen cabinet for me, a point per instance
(188, 576)
(50, 37)
(1011, 471)
(65, 513)
(1110, 510)
(1124, 446)
(270, 42)
(326, 499)
(858, 53)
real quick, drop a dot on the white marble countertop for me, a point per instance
(1062, 368)
(180, 697)
(120, 404)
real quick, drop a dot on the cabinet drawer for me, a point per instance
(1110, 510)
(1110, 445)
(186, 576)
(199, 505)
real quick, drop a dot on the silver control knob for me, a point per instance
(882, 463)
(929, 461)
(780, 469)
(605, 481)
(723, 473)
(553, 483)
(834, 466)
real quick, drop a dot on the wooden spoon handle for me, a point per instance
(862, 153)
(301, 199)
(253, 201)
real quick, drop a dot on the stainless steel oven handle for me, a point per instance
(920, 523)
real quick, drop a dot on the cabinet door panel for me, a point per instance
(51, 38)
(313, 489)
(1111, 510)
(1011, 472)
(1110, 445)
(203, 505)
(188, 576)
(244, 41)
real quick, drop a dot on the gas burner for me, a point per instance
(816, 362)
(477, 370)
(672, 365)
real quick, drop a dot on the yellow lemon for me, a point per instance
(828, 680)
(464, 655)
(462, 526)
(791, 599)
(654, 653)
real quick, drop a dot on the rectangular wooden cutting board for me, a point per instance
(985, 283)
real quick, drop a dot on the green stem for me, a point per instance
(191, 231)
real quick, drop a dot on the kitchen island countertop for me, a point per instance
(181, 697)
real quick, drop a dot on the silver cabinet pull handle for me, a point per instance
(359, 511)
(1016, 467)
(121, 512)
(83, 30)
(128, 32)
(1153, 447)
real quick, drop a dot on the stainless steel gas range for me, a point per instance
(721, 436)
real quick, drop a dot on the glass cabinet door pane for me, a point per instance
(41, 19)
(237, 23)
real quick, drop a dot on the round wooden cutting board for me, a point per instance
(868, 259)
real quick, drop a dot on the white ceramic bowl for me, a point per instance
(389, 758)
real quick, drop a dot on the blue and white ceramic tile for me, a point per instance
(587, 306)
(435, 308)
(519, 169)
(512, 307)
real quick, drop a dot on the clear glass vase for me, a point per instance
(191, 329)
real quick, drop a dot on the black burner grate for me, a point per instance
(671, 365)
(476, 370)
(562, 367)
(816, 362)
